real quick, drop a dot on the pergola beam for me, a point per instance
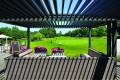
(87, 8)
(56, 19)
(47, 2)
(55, 7)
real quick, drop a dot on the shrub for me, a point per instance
(36, 36)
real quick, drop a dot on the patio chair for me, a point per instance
(95, 53)
(19, 50)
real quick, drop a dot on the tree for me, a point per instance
(13, 32)
(83, 32)
(36, 36)
(101, 31)
(5, 30)
(68, 33)
(48, 32)
(93, 32)
(77, 33)
(60, 33)
(17, 34)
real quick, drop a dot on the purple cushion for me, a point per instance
(40, 49)
(23, 48)
(57, 50)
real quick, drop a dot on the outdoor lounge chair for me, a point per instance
(95, 53)
(19, 50)
(94, 68)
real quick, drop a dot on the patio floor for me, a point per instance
(2, 56)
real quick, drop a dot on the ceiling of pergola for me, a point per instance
(59, 13)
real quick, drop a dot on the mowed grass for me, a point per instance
(73, 46)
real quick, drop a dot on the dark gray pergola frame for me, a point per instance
(90, 13)
(112, 38)
(39, 13)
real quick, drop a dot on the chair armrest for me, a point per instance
(25, 53)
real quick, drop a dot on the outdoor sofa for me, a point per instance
(61, 68)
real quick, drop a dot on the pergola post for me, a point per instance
(109, 53)
(28, 37)
(114, 38)
(89, 35)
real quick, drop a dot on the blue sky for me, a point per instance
(66, 5)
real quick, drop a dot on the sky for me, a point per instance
(59, 5)
(74, 2)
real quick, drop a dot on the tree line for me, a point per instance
(15, 33)
(83, 32)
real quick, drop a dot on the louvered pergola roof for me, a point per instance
(59, 13)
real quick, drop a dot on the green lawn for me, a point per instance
(73, 46)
